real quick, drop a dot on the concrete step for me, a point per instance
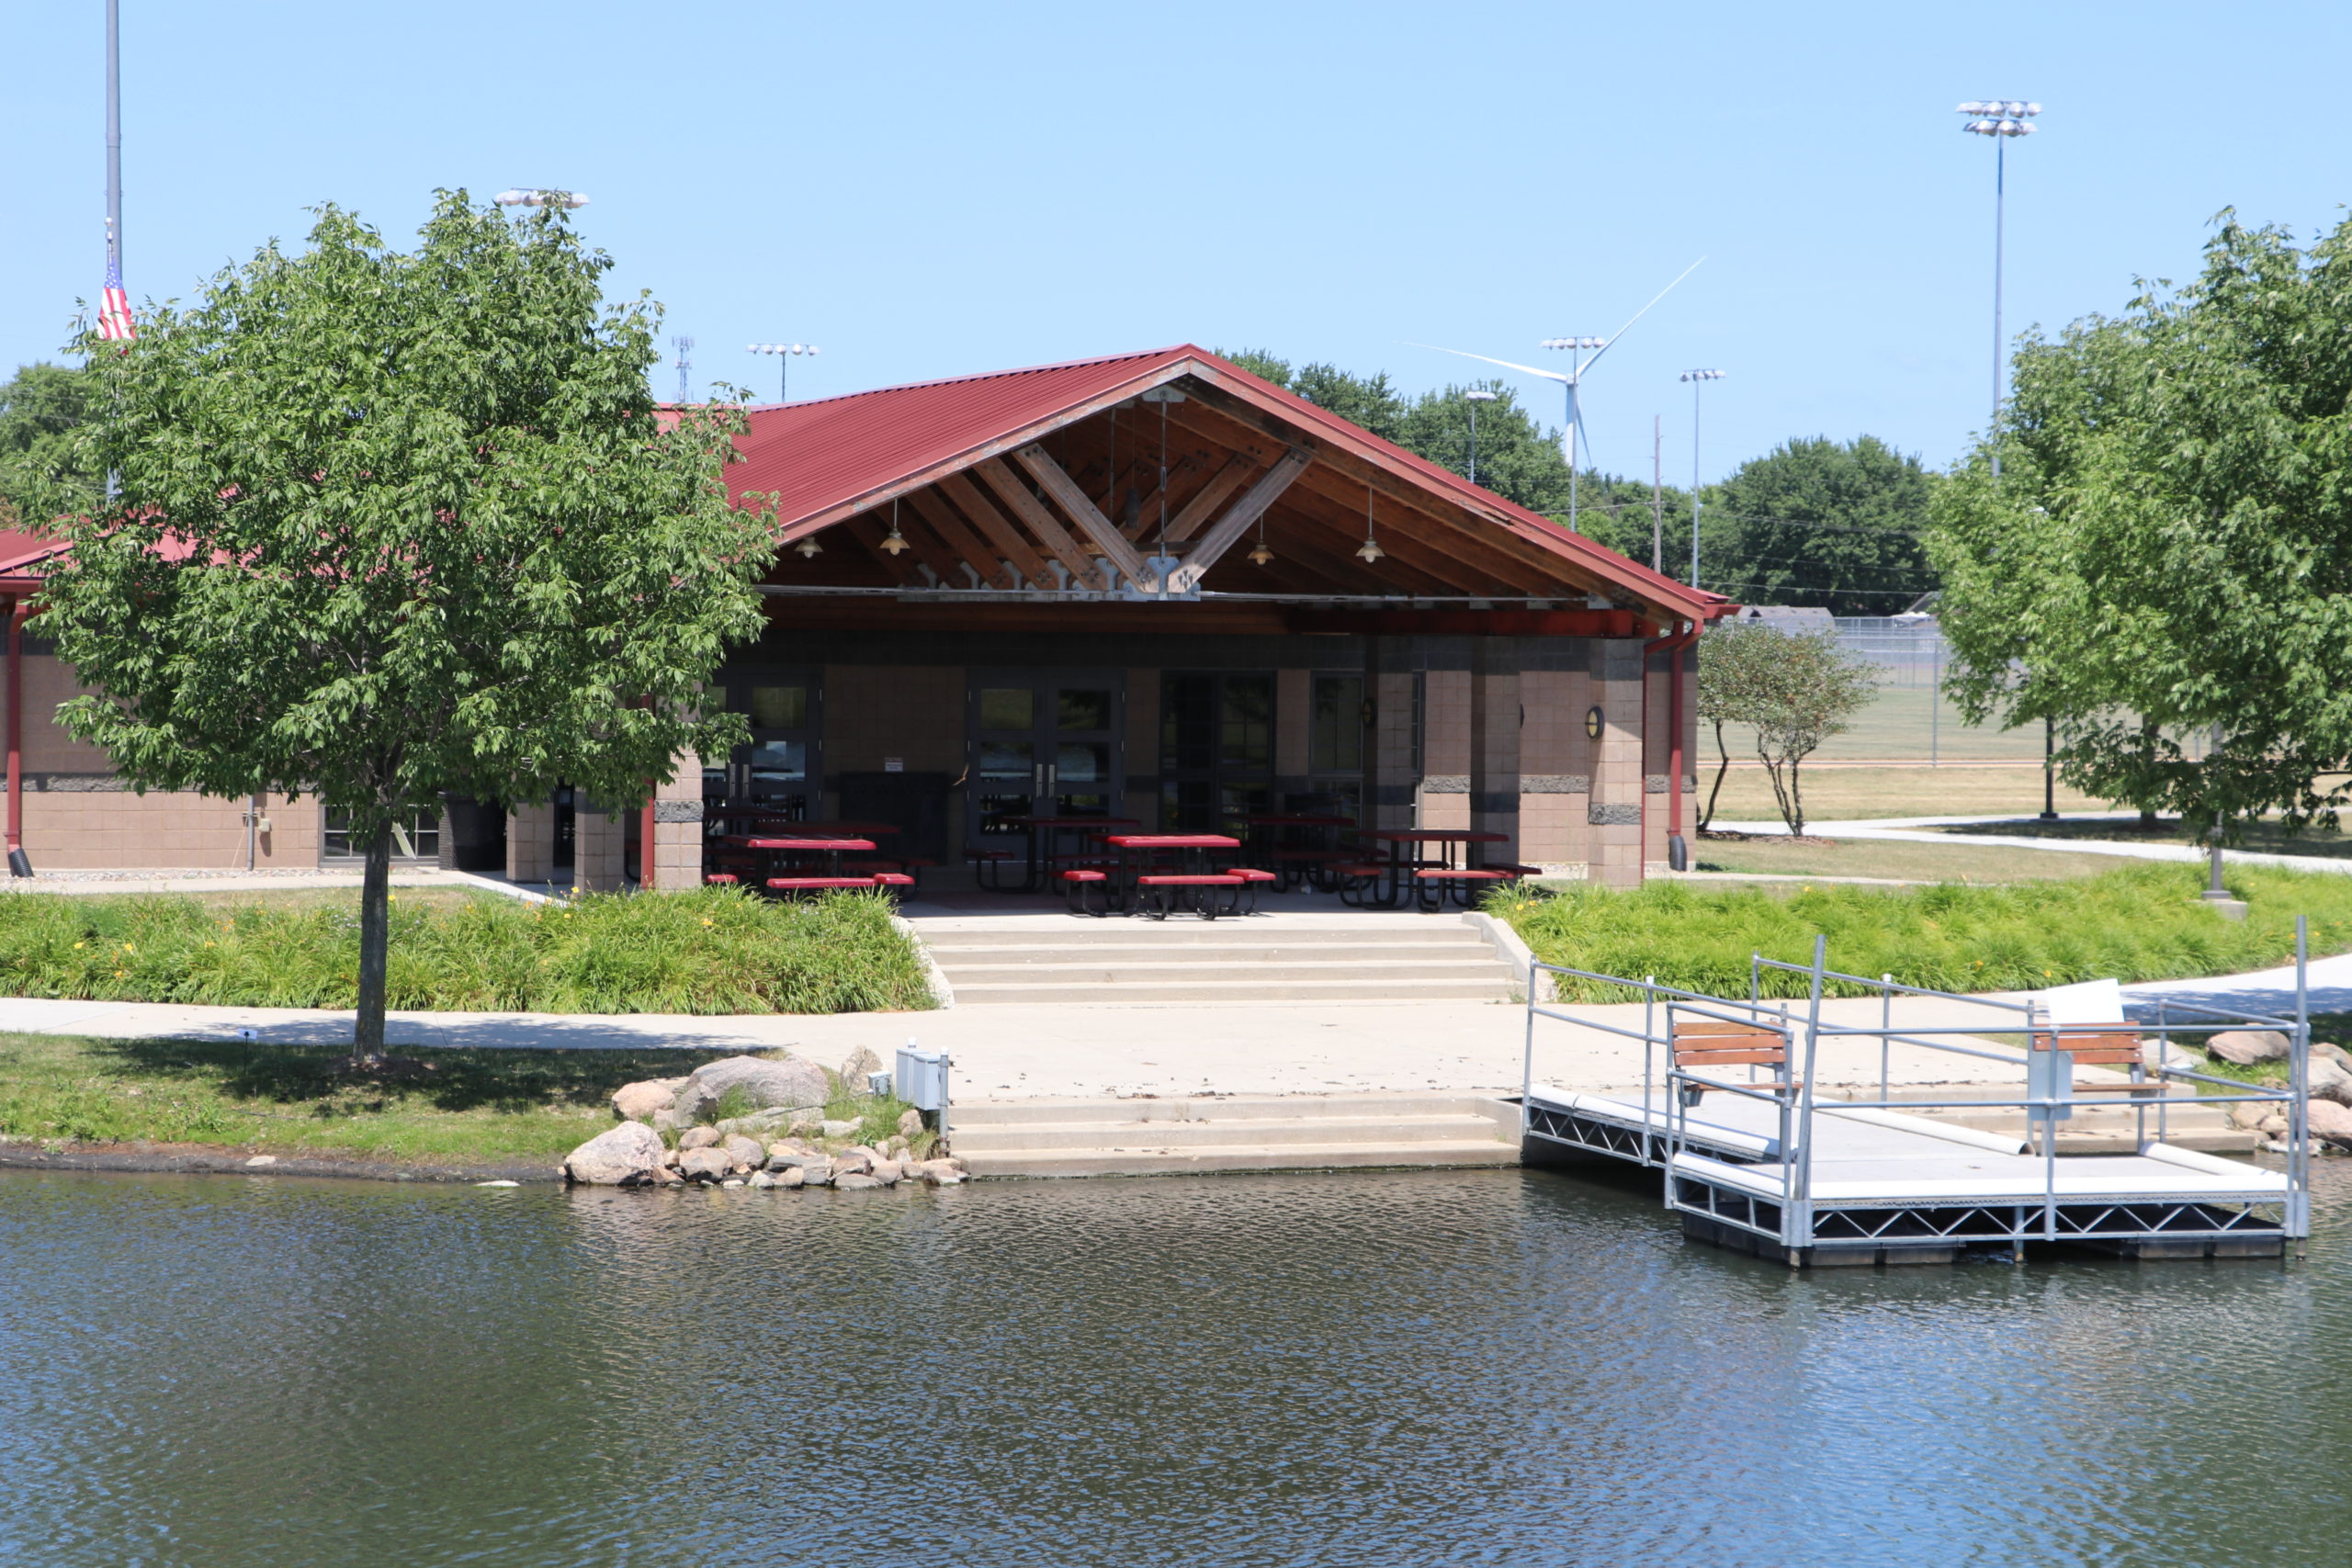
(1092, 970)
(1206, 1157)
(1261, 1131)
(1240, 931)
(1222, 1108)
(1369, 986)
(1200, 955)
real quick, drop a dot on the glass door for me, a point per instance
(1042, 744)
(1217, 751)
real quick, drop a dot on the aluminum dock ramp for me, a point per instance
(1753, 1158)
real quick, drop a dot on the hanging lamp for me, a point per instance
(896, 541)
(1261, 554)
(809, 549)
(1370, 550)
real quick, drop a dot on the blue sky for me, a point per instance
(927, 190)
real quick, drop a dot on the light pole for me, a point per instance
(570, 200)
(1474, 397)
(1697, 379)
(783, 353)
(1999, 118)
(1578, 364)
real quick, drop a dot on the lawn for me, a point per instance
(2135, 922)
(427, 1105)
(716, 951)
(1851, 793)
(1898, 861)
(1902, 722)
(2264, 837)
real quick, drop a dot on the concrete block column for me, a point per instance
(1494, 740)
(1555, 776)
(1615, 812)
(677, 828)
(599, 850)
(530, 843)
(1294, 732)
(1390, 775)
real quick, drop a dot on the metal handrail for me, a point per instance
(1797, 1109)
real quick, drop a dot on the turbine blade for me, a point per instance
(1643, 311)
(1508, 364)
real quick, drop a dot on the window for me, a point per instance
(1216, 740)
(417, 838)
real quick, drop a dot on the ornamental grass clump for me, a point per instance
(716, 951)
(2136, 923)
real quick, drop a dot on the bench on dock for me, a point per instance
(1706, 1044)
(2115, 1045)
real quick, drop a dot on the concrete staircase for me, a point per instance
(1150, 1137)
(1434, 959)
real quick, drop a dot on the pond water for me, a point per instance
(1489, 1367)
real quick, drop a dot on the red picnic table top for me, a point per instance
(1436, 836)
(820, 846)
(1171, 841)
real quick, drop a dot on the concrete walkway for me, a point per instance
(1920, 830)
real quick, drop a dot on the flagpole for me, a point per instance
(114, 162)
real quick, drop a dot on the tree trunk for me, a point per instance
(374, 939)
(1707, 817)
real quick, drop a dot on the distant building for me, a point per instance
(1804, 620)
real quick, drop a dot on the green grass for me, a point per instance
(431, 1104)
(715, 951)
(1892, 859)
(2141, 922)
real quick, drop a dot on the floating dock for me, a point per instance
(1766, 1165)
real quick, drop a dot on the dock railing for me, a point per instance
(2050, 1095)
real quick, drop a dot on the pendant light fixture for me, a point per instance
(896, 541)
(809, 549)
(1261, 554)
(1370, 550)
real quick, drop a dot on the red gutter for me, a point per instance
(1678, 849)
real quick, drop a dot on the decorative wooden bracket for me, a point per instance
(1055, 480)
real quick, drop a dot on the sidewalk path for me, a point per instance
(1920, 830)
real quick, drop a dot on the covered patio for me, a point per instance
(1153, 594)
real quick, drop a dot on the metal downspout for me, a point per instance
(19, 863)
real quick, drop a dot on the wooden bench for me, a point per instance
(2115, 1045)
(1705, 1043)
(1198, 890)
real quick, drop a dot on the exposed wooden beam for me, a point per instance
(1055, 480)
(866, 529)
(1236, 521)
(959, 489)
(1042, 523)
(1211, 495)
(960, 538)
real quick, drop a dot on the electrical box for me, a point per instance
(2050, 1075)
(922, 1077)
(878, 1085)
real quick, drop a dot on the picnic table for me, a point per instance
(1195, 879)
(1298, 861)
(770, 852)
(1384, 884)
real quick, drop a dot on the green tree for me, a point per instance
(1816, 522)
(1736, 672)
(42, 407)
(394, 523)
(2166, 550)
(1802, 690)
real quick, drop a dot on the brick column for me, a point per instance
(677, 828)
(1555, 776)
(1389, 776)
(530, 843)
(1495, 725)
(599, 850)
(1615, 812)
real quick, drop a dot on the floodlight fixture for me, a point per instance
(784, 352)
(568, 199)
(1697, 379)
(2003, 121)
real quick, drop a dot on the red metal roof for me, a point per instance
(831, 458)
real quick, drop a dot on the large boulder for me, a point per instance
(699, 1138)
(705, 1165)
(2329, 1081)
(626, 1156)
(2247, 1046)
(2331, 1123)
(744, 1154)
(861, 1062)
(644, 1101)
(756, 1083)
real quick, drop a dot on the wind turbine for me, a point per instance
(1574, 380)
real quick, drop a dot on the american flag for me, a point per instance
(113, 310)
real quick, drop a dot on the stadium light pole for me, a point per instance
(570, 200)
(1474, 397)
(783, 353)
(2001, 119)
(1697, 379)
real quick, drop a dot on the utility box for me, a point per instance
(922, 1077)
(2050, 1075)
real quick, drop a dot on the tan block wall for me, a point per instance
(599, 850)
(1552, 745)
(1143, 744)
(115, 830)
(47, 748)
(530, 843)
(1392, 745)
(1617, 775)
